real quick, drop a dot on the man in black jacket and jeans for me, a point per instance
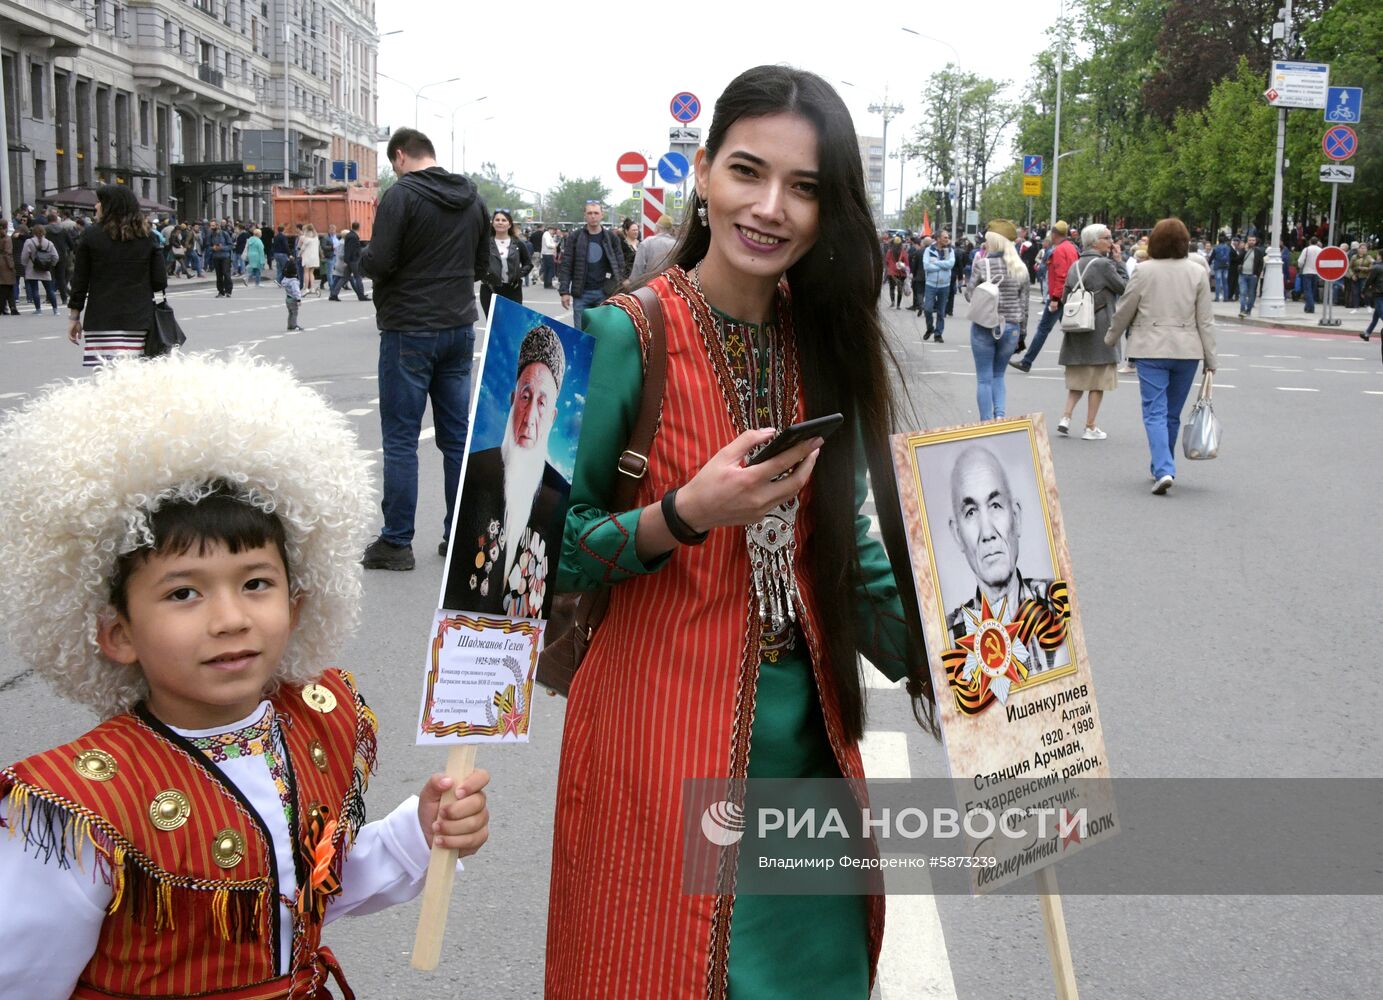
(592, 265)
(431, 229)
(351, 255)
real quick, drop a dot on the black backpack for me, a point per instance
(45, 259)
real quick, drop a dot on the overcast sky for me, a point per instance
(608, 76)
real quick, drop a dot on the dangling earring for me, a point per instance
(701, 214)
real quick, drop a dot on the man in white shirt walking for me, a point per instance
(1306, 267)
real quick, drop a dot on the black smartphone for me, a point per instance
(822, 427)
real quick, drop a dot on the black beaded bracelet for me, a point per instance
(681, 530)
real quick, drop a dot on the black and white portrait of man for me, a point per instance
(991, 547)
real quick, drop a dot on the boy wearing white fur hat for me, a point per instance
(182, 539)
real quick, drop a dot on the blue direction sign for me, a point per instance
(1032, 166)
(685, 107)
(673, 168)
(1340, 142)
(1344, 105)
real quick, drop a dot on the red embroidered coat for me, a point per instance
(666, 692)
(194, 908)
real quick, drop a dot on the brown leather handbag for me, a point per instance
(575, 617)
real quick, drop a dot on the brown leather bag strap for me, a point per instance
(633, 461)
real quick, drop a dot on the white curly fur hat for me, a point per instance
(83, 464)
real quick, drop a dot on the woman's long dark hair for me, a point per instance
(121, 216)
(847, 366)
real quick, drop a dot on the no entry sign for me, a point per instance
(631, 167)
(1332, 264)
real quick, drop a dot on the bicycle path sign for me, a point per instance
(1340, 142)
(1344, 105)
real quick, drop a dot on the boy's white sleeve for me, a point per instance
(50, 921)
(387, 865)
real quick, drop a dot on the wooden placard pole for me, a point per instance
(1054, 923)
(441, 872)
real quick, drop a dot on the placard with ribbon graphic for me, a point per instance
(506, 538)
(1013, 685)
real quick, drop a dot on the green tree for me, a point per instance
(495, 189)
(567, 201)
(386, 179)
(627, 209)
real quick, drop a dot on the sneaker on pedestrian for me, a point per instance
(1163, 484)
(380, 554)
(937, 339)
(1020, 364)
(1093, 434)
(928, 335)
(1364, 335)
(1063, 425)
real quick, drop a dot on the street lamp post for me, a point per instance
(1056, 129)
(417, 91)
(451, 112)
(1272, 302)
(955, 137)
(889, 112)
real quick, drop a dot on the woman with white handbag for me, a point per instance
(1094, 283)
(998, 297)
(1166, 309)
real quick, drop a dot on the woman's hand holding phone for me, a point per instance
(726, 491)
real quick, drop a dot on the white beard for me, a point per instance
(523, 474)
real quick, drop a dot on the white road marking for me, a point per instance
(54, 337)
(428, 432)
(367, 377)
(326, 382)
(19, 341)
(1367, 392)
(913, 962)
(375, 401)
(1342, 371)
(1284, 357)
(358, 413)
(1228, 355)
(1294, 388)
(1332, 357)
(12, 395)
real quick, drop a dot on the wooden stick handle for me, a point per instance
(1054, 923)
(441, 872)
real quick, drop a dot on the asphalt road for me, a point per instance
(1225, 624)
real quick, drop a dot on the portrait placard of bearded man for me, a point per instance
(513, 502)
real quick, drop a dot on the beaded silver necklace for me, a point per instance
(751, 356)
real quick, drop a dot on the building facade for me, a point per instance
(186, 101)
(872, 159)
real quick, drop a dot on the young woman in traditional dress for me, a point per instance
(741, 605)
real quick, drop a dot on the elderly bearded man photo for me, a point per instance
(513, 502)
(987, 522)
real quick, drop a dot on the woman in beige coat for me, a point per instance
(1166, 309)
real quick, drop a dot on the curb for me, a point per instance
(1342, 331)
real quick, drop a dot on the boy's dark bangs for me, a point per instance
(220, 518)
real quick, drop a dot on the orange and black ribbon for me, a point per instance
(323, 880)
(1045, 620)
